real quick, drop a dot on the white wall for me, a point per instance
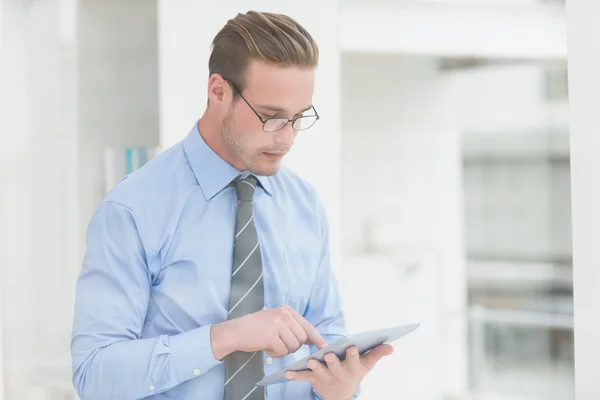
(500, 98)
(402, 182)
(504, 98)
(186, 30)
(463, 28)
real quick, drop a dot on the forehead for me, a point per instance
(288, 87)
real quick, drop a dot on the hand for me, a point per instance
(278, 332)
(340, 380)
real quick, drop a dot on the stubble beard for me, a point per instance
(235, 144)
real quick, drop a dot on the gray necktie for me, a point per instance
(243, 369)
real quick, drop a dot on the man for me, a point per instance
(209, 267)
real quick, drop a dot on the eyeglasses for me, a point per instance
(275, 124)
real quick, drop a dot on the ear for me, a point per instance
(218, 89)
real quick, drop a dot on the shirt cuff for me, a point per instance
(192, 353)
(317, 397)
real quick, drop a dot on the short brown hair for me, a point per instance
(273, 38)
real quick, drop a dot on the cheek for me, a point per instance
(249, 134)
(247, 121)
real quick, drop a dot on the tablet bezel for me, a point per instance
(365, 342)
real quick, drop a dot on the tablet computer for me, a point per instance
(364, 341)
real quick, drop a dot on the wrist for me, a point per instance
(221, 340)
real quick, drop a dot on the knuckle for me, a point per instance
(275, 337)
(288, 318)
(303, 337)
(285, 309)
(279, 350)
(280, 353)
(285, 351)
(280, 317)
(272, 339)
(283, 314)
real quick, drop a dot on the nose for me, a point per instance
(286, 135)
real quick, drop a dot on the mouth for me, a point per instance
(273, 155)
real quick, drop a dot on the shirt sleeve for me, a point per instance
(324, 309)
(110, 359)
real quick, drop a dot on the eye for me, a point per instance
(303, 114)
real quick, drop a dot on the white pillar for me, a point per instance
(186, 30)
(37, 160)
(584, 86)
(2, 206)
(14, 196)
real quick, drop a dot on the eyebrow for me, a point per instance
(279, 109)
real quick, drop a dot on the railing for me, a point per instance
(480, 317)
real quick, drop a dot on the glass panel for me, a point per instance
(518, 243)
(456, 196)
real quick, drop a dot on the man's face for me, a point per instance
(272, 91)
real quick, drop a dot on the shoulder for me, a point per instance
(156, 193)
(152, 181)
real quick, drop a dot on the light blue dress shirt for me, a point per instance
(157, 274)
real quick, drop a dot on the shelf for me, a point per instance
(497, 31)
(524, 145)
(516, 275)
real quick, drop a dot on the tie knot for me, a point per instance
(245, 188)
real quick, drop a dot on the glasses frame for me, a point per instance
(265, 121)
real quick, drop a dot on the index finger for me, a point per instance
(313, 335)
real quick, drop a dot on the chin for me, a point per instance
(265, 170)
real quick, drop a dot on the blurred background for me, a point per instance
(442, 157)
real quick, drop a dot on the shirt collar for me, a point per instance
(211, 171)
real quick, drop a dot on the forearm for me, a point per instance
(134, 369)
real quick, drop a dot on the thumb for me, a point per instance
(372, 357)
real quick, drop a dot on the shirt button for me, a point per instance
(196, 371)
(151, 388)
(269, 360)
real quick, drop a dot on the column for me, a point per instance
(584, 86)
(14, 197)
(37, 161)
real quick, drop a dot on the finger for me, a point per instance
(319, 369)
(277, 349)
(290, 340)
(371, 358)
(297, 331)
(305, 376)
(322, 345)
(352, 357)
(313, 336)
(333, 363)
